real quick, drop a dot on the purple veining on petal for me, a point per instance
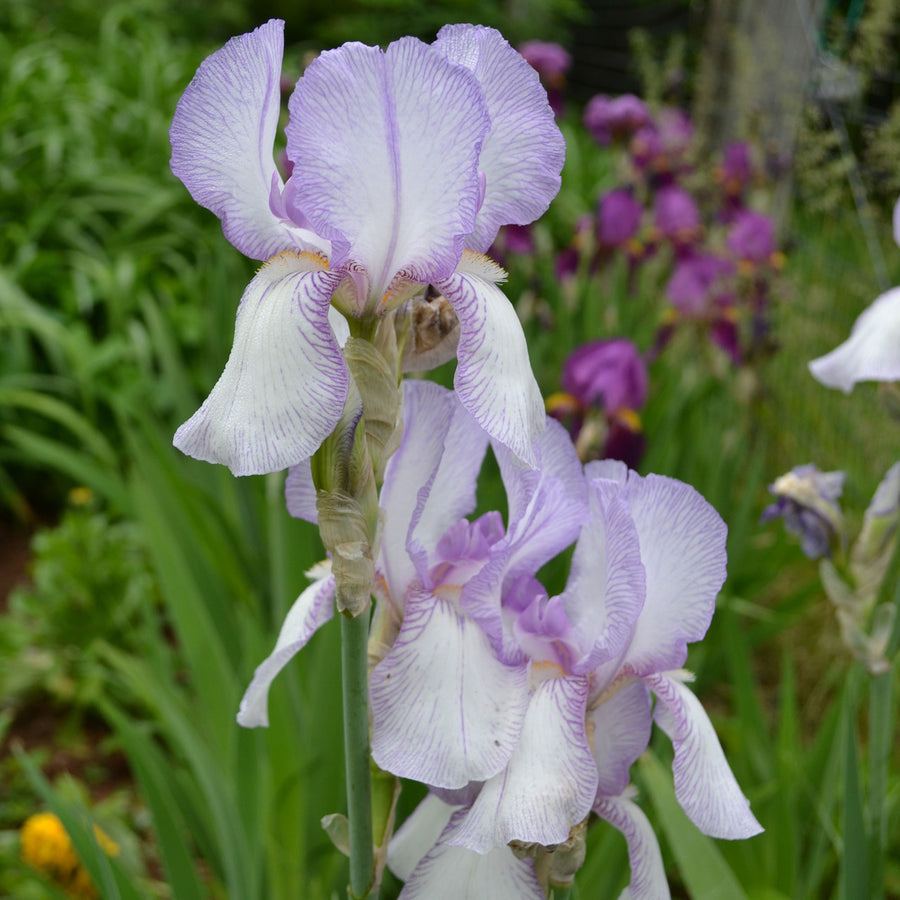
(524, 150)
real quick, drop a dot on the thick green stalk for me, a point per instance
(561, 893)
(354, 638)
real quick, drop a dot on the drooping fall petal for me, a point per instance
(285, 382)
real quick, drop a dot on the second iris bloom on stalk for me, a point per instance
(405, 164)
(526, 712)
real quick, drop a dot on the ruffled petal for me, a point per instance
(549, 784)
(312, 609)
(385, 150)
(524, 152)
(417, 835)
(455, 873)
(871, 353)
(605, 591)
(429, 482)
(285, 382)
(445, 710)
(223, 135)
(682, 540)
(704, 784)
(621, 732)
(547, 506)
(493, 378)
(648, 875)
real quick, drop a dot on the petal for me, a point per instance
(429, 482)
(550, 782)
(621, 732)
(223, 135)
(385, 150)
(682, 540)
(300, 493)
(524, 152)
(445, 710)
(546, 506)
(417, 835)
(285, 382)
(704, 784)
(454, 873)
(871, 353)
(606, 588)
(312, 609)
(493, 380)
(648, 875)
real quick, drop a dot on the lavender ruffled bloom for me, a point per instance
(405, 163)
(807, 501)
(595, 656)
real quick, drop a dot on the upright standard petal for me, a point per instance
(704, 784)
(648, 875)
(605, 591)
(312, 609)
(547, 506)
(493, 380)
(385, 150)
(285, 382)
(549, 784)
(223, 136)
(523, 154)
(682, 541)
(871, 353)
(429, 482)
(445, 710)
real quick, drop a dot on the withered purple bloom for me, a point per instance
(405, 163)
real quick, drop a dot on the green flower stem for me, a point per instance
(558, 892)
(354, 670)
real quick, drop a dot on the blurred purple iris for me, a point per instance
(605, 386)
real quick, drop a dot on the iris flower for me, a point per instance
(646, 570)
(872, 352)
(405, 163)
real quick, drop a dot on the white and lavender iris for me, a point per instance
(523, 712)
(872, 352)
(405, 164)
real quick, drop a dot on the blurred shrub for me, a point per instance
(91, 583)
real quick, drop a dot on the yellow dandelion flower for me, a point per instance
(46, 846)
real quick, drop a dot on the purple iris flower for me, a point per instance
(608, 119)
(618, 218)
(405, 163)
(736, 169)
(647, 566)
(752, 237)
(610, 373)
(694, 282)
(807, 500)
